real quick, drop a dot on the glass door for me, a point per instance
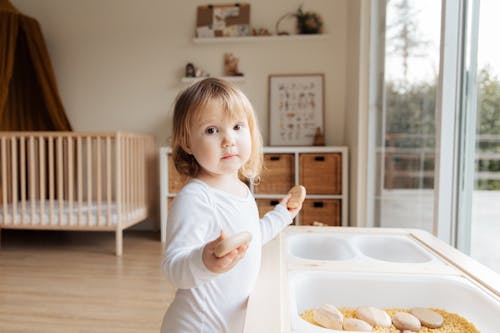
(434, 121)
(403, 95)
(480, 228)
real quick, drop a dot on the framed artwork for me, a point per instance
(296, 108)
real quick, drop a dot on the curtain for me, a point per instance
(29, 98)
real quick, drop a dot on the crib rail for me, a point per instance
(75, 180)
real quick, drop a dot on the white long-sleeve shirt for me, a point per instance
(207, 301)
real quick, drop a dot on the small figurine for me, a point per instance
(260, 32)
(190, 70)
(319, 139)
(193, 71)
(231, 65)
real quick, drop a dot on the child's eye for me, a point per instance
(237, 127)
(211, 130)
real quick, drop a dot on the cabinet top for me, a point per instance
(306, 149)
(291, 149)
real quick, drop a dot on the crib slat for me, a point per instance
(3, 182)
(79, 176)
(23, 181)
(41, 169)
(14, 177)
(129, 176)
(126, 153)
(137, 170)
(60, 177)
(31, 177)
(139, 158)
(119, 195)
(89, 179)
(133, 173)
(99, 180)
(108, 179)
(70, 179)
(51, 180)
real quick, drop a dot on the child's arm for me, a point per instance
(274, 221)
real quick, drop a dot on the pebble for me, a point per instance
(328, 316)
(427, 317)
(353, 324)
(406, 321)
(374, 316)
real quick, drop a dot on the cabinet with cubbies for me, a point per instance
(322, 170)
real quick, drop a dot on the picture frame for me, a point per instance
(296, 108)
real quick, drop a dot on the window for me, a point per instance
(436, 129)
(408, 42)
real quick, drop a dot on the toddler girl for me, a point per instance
(216, 142)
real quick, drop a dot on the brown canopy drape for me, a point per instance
(29, 98)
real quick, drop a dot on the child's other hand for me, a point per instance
(293, 211)
(224, 263)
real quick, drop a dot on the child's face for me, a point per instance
(221, 145)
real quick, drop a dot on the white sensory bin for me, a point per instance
(311, 289)
(381, 269)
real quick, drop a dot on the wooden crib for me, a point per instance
(77, 181)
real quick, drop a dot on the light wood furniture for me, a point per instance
(322, 170)
(77, 181)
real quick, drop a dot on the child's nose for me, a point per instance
(228, 139)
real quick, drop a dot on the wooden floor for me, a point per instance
(57, 281)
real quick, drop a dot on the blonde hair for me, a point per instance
(190, 103)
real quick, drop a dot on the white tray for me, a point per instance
(456, 294)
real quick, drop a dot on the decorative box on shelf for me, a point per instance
(322, 170)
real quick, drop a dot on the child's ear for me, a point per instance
(187, 149)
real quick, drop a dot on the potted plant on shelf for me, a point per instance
(307, 23)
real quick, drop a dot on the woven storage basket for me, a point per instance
(277, 175)
(327, 211)
(321, 173)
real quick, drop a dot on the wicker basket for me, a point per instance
(277, 175)
(321, 173)
(327, 211)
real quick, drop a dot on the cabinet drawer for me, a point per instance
(321, 173)
(175, 180)
(266, 205)
(326, 211)
(277, 174)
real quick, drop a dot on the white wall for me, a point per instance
(118, 62)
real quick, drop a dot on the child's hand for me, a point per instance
(224, 263)
(293, 211)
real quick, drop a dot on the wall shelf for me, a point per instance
(191, 80)
(253, 39)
